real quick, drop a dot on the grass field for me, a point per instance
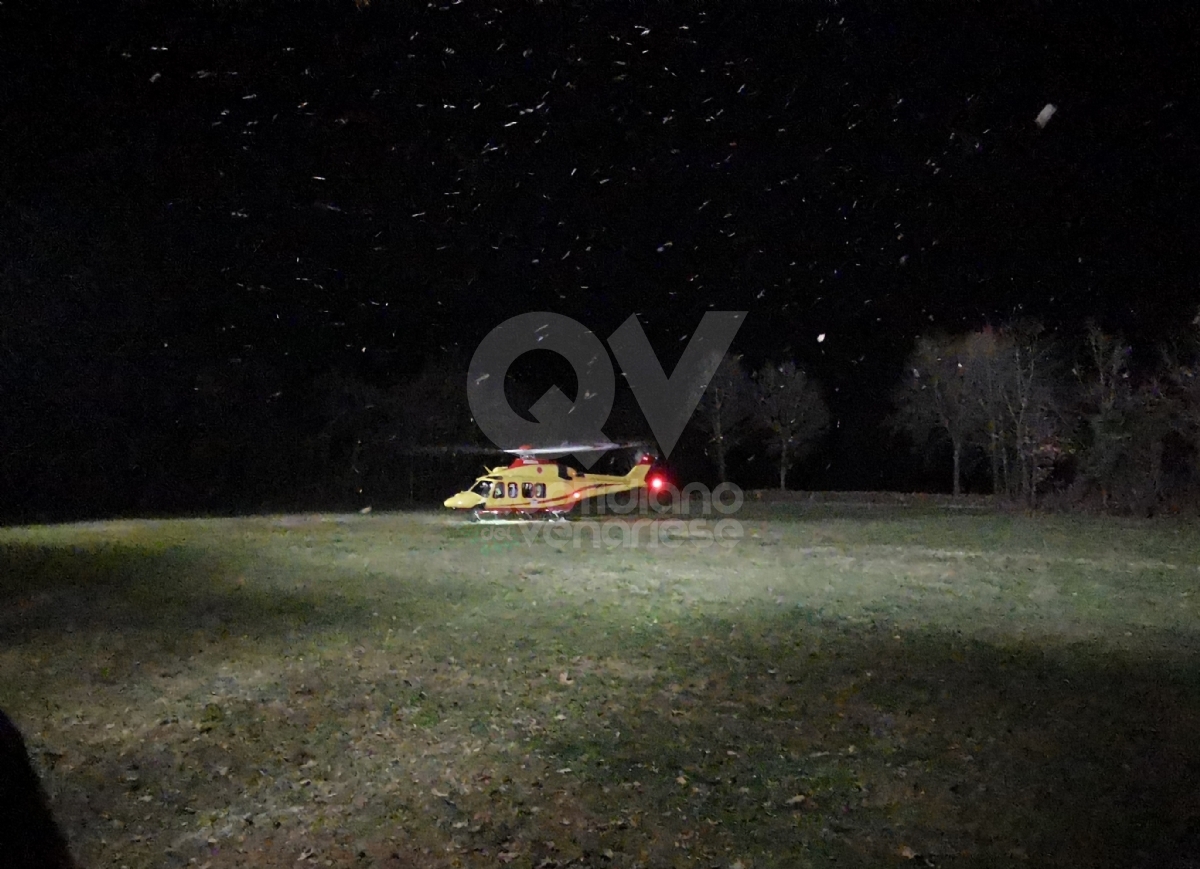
(871, 687)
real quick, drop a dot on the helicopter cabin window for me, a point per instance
(498, 492)
(512, 490)
(539, 490)
(527, 490)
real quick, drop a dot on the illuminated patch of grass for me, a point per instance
(865, 688)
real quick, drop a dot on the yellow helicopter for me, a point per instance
(537, 485)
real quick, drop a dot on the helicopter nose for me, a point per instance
(463, 501)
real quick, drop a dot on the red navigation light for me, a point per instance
(656, 483)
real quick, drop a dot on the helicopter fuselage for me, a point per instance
(532, 485)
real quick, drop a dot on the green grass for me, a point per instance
(869, 687)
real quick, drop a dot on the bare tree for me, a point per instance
(378, 440)
(791, 406)
(1140, 437)
(1181, 364)
(1108, 400)
(726, 409)
(937, 398)
(999, 390)
(433, 405)
(356, 418)
(432, 417)
(1033, 402)
(985, 369)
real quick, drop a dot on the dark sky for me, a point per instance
(282, 189)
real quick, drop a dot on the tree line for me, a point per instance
(780, 401)
(1091, 421)
(1015, 410)
(1025, 413)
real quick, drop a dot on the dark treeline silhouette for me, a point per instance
(1034, 416)
(1086, 421)
(29, 836)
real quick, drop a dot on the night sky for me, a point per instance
(256, 194)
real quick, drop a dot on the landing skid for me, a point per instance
(510, 517)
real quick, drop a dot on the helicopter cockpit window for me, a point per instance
(483, 487)
(512, 490)
(527, 490)
(498, 492)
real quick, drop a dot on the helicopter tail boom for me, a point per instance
(637, 474)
